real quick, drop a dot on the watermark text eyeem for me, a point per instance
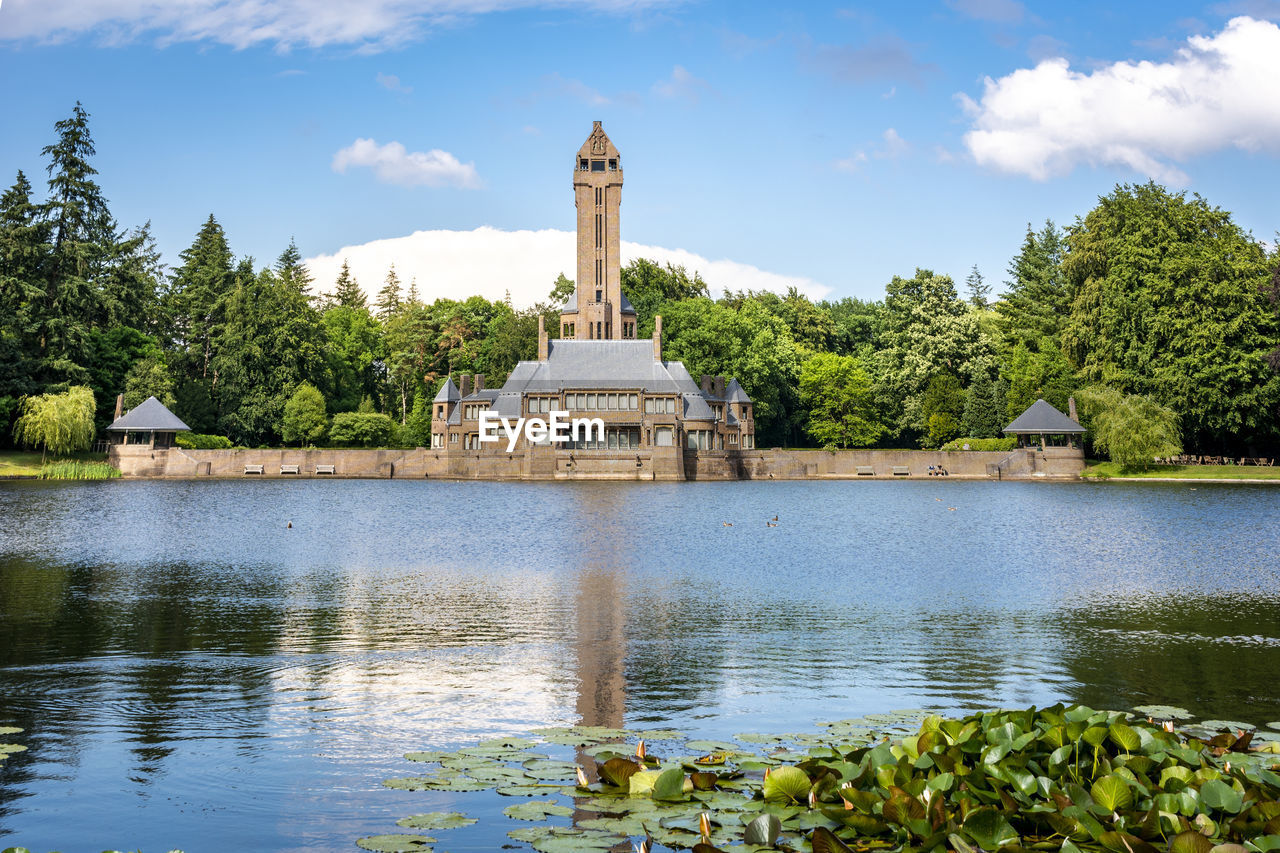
(558, 428)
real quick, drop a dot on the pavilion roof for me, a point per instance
(1041, 417)
(148, 416)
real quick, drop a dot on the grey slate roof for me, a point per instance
(1041, 417)
(448, 392)
(574, 364)
(626, 305)
(149, 416)
(735, 393)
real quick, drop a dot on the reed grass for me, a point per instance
(74, 469)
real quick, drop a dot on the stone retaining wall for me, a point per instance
(546, 463)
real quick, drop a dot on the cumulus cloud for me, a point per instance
(370, 25)
(492, 263)
(393, 164)
(1216, 92)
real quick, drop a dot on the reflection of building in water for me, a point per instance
(598, 368)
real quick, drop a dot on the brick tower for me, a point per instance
(598, 310)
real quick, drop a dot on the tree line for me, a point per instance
(1153, 303)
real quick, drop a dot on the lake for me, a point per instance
(194, 673)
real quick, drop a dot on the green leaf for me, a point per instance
(1217, 794)
(436, 820)
(395, 843)
(537, 810)
(616, 771)
(989, 829)
(824, 840)
(763, 830)
(669, 785)
(787, 784)
(1111, 793)
(1124, 737)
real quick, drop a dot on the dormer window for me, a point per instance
(582, 164)
(597, 165)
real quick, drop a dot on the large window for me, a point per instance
(748, 441)
(699, 439)
(615, 438)
(437, 440)
(471, 411)
(664, 437)
(537, 405)
(596, 165)
(659, 405)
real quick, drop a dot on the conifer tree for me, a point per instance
(978, 290)
(389, 301)
(291, 272)
(346, 290)
(1037, 303)
(24, 255)
(195, 302)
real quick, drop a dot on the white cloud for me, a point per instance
(370, 25)
(490, 262)
(892, 146)
(1217, 92)
(682, 84)
(392, 83)
(392, 164)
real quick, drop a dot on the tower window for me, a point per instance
(582, 164)
(597, 165)
(613, 165)
(598, 336)
(599, 295)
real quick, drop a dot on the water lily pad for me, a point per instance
(660, 734)
(546, 768)
(12, 747)
(1233, 725)
(763, 830)
(786, 784)
(705, 746)
(537, 810)
(436, 820)
(562, 839)
(529, 790)
(516, 743)
(10, 730)
(395, 843)
(1164, 712)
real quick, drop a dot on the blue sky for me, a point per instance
(830, 144)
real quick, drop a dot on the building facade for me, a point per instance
(653, 414)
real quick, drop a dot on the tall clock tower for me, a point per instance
(598, 310)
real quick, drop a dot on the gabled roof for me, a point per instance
(1043, 418)
(448, 392)
(149, 416)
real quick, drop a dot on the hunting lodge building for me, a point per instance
(657, 418)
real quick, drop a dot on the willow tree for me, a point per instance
(57, 423)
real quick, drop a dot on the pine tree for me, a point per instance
(389, 296)
(977, 289)
(1037, 304)
(24, 256)
(195, 303)
(291, 271)
(346, 290)
(413, 291)
(981, 418)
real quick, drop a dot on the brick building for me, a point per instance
(652, 410)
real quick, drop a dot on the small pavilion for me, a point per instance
(150, 423)
(1053, 427)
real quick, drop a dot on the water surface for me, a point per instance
(194, 673)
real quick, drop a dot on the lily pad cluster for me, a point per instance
(7, 749)
(1067, 780)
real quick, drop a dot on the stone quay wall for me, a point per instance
(547, 463)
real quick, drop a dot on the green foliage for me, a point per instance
(1068, 779)
(648, 284)
(561, 290)
(982, 417)
(57, 423)
(389, 301)
(986, 444)
(148, 377)
(837, 394)
(197, 441)
(1036, 306)
(74, 469)
(1169, 303)
(977, 288)
(417, 431)
(1131, 429)
(941, 407)
(357, 429)
(347, 292)
(304, 416)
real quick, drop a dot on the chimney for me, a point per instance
(719, 387)
(119, 406)
(544, 346)
(1071, 409)
(479, 382)
(657, 337)
(464, 384)
(705, 384)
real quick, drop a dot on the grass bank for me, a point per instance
(79, 466)
(1110, 470)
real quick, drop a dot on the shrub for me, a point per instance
(304, 417)
(195, 441)
(982, 444)
(361, 429)
(1130, 428)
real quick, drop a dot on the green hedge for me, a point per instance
(361, 429)
(982, 444)
(195, 441)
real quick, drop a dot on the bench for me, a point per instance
(253, 469)
(324, 469)
(866, 471)
(901, 471)
(288, 469)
